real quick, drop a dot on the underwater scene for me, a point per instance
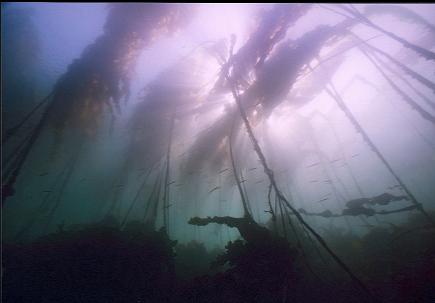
(219, 153)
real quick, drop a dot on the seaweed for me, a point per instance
(93, 264)
(134, 195)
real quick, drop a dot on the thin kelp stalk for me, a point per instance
(323, 159)
(20, 157)
(343, 156)
(424, 114)
(8, 184)
(423, 80)
(314, 245)
(152, 198)
(348, 166)
(328, 166)
(413, 126)
(328, 176)
(304, 229)
(11, 131)
(221, 241)
(166, 190)
(155, 204)
(429, 102)
(271, 177)
(301, 248)
(341, 104)
(42, 206)
(363, 80)
(427, 54)
(115, 203)
(350, 18)
(272, 212)
(7, 161)
(142, 186)
(100, 77)
(400, 12)
(411, 231)
(282, 217)
(276, 205)
(248, 204)
(343, 51)
(116, 191)
(403, 209)
(235, 174)
(69, 172)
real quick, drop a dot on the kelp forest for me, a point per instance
(231, 153)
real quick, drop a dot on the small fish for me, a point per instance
(335, 160)
(180, 184)
(394, 186)
(312, 165)
(43, 174)
(251, 169)
(314, 181)
(172, 182)
(393, 226)
(243, 181)
(324, 199)
(327, 181)
(221, 171)
(261, 181)
(217, 187)
(47, 191)
(355, 155)
(165, 207)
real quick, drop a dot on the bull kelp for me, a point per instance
(168, 152)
